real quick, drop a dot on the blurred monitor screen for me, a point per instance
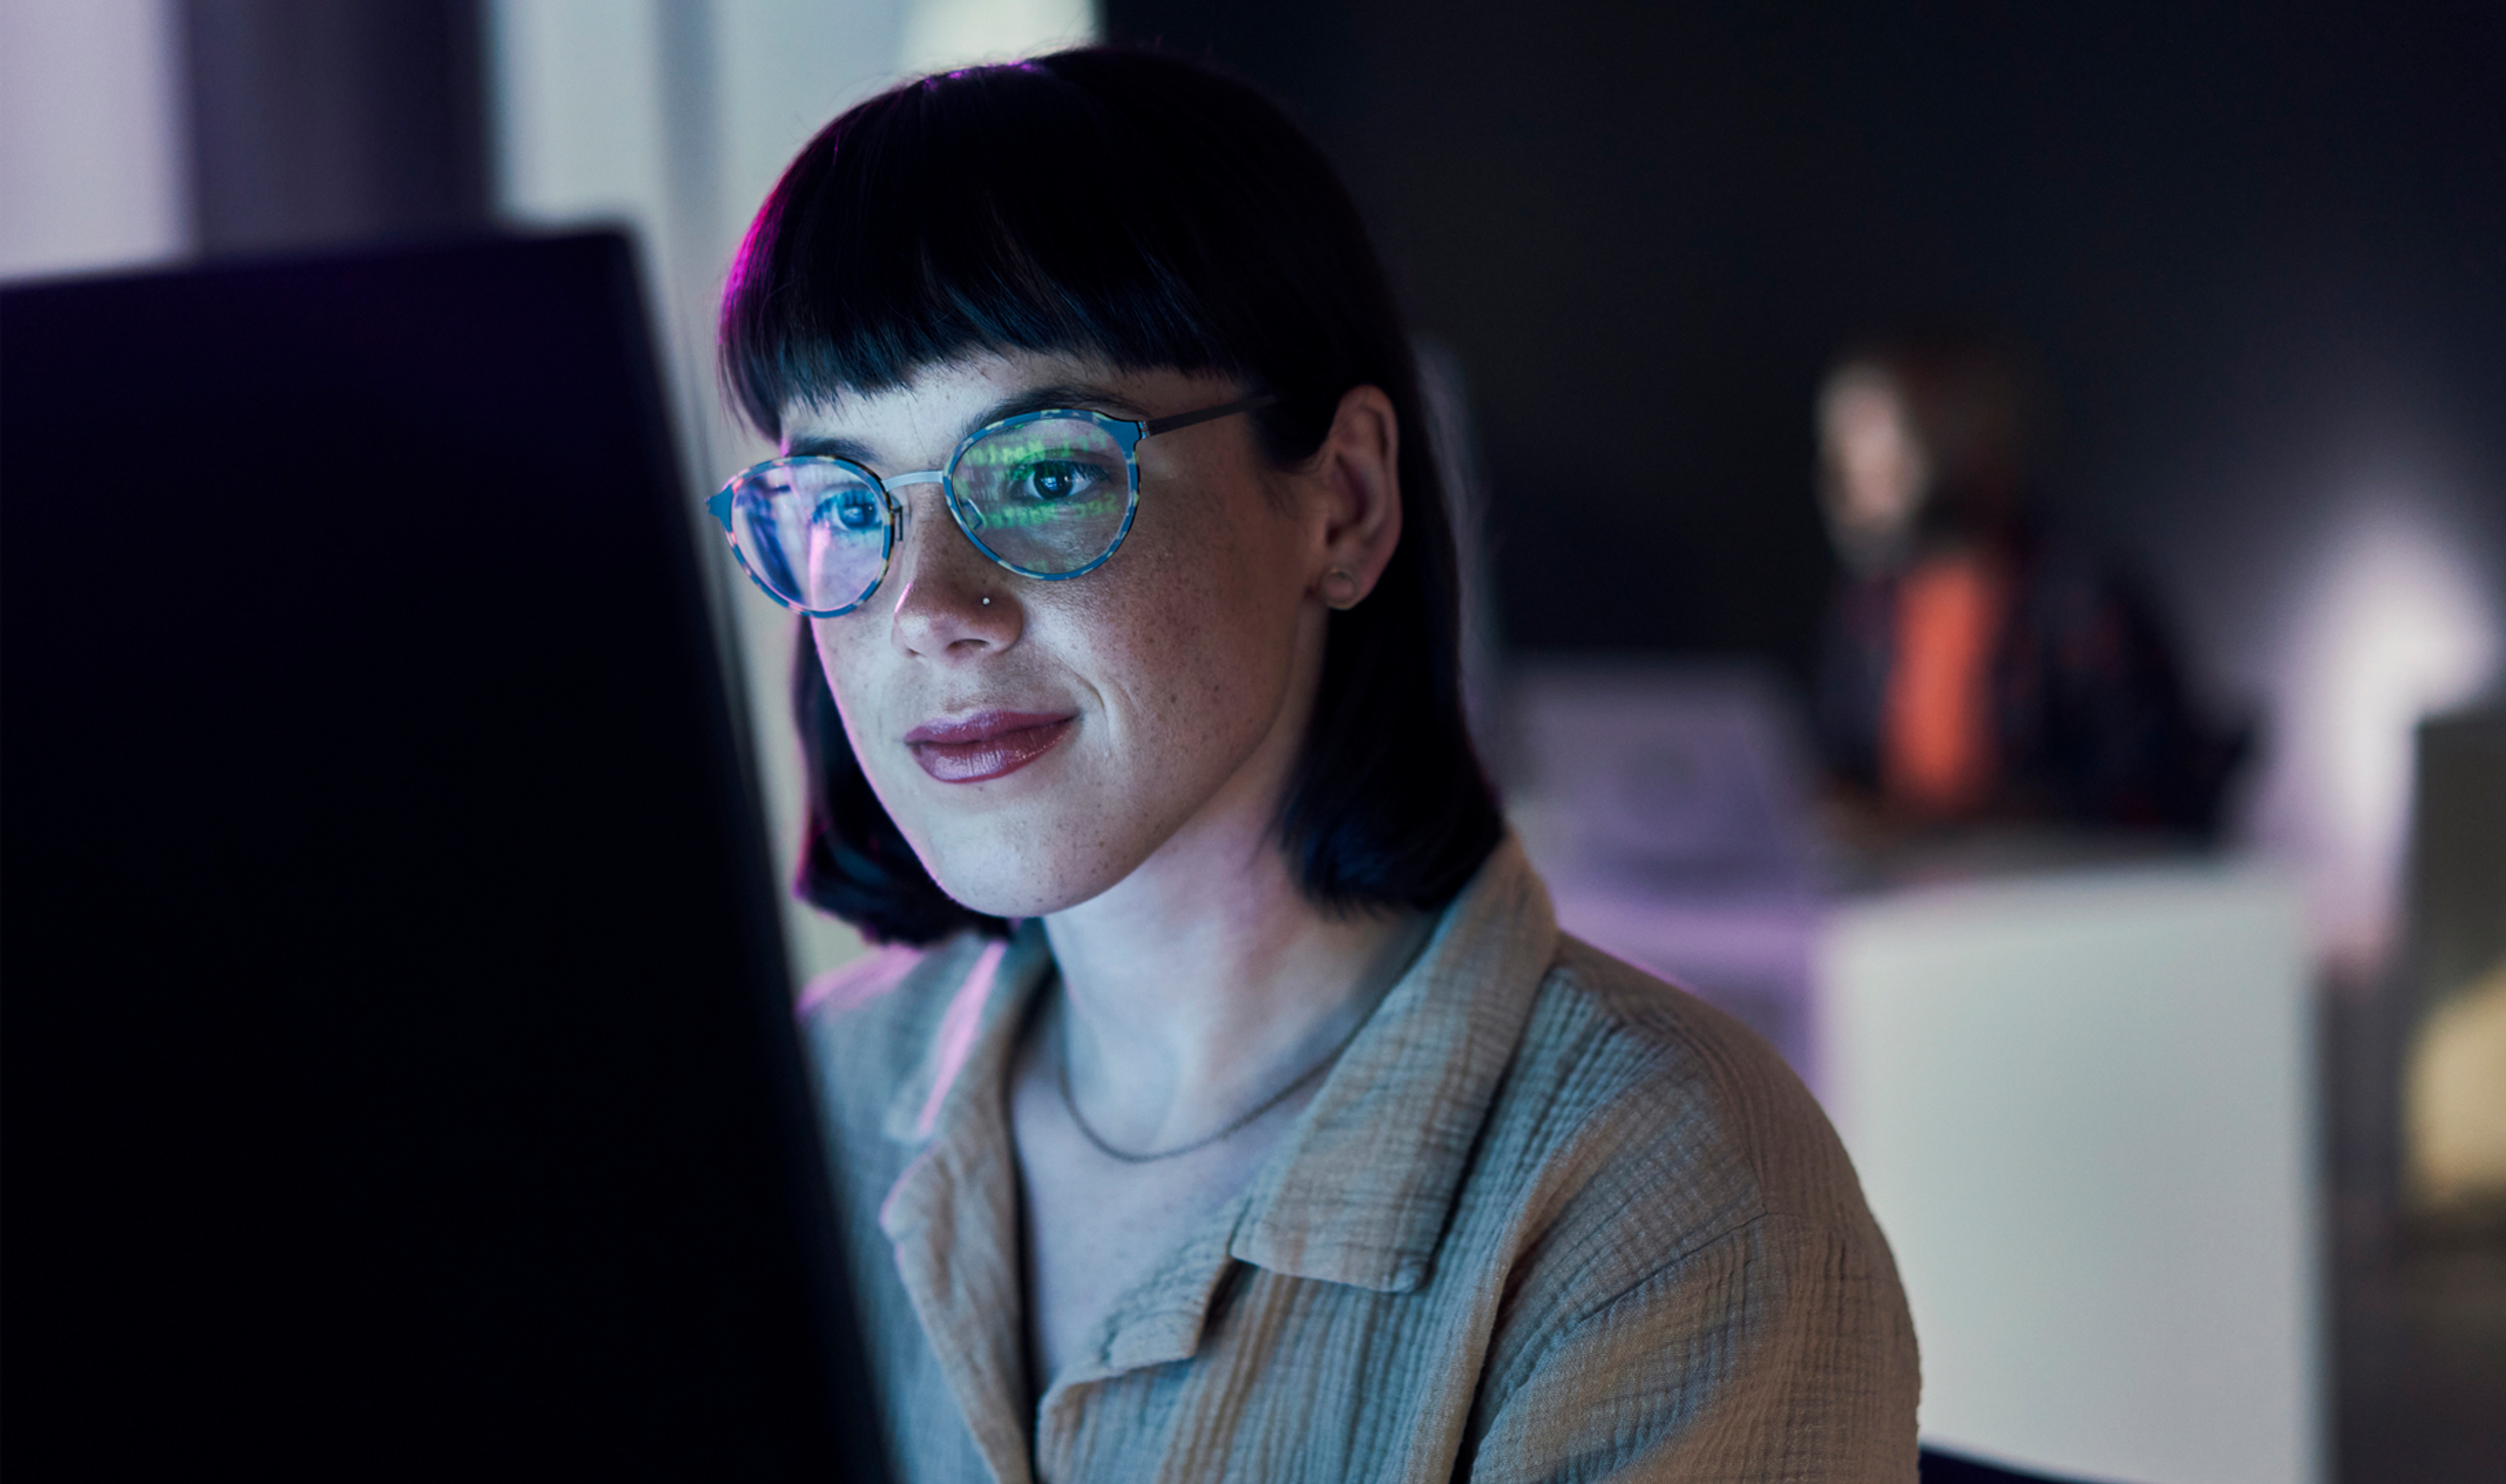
(399, 1071)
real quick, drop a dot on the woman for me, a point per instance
(1226, 1104)
(1975, 666)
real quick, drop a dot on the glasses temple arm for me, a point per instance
(1156, 424)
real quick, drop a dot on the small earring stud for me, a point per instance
(1338, 589)
(987, 602)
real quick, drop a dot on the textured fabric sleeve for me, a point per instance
(1776, 1352)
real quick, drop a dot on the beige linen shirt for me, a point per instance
(1547, 1219)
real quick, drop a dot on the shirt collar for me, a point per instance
(1361, 1187)
(977, 1035)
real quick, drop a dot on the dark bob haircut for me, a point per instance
(1151, 214)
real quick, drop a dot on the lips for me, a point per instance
(986, 745)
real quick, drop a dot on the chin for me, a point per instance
(1030, 871)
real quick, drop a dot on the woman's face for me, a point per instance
(1037, 741)
(1877, 473)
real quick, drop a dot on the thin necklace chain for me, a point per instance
(1061, 1071)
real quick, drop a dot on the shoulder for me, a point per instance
(1652, 1072)
(1661, 1126)
(1681, 1185)
(858, 982)
(1697, 1286)
(869, 1024)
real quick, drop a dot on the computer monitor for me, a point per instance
(399, 1071)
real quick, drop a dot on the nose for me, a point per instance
(952, 602)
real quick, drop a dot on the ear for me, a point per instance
(1354, 486)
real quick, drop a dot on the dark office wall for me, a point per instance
(326, 121)
(2250, 246)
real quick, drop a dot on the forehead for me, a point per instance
(1860, 398)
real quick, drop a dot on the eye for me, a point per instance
(854, 508)
(1057, 479)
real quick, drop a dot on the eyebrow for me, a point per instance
(1076, 395)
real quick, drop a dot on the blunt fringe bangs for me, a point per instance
(1148, 213)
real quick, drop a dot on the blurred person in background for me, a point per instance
(1975, 665)
(1226, 1103)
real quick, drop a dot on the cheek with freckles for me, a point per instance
(1195, 643)
(1178, 657)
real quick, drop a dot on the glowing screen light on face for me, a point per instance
(1049, 497)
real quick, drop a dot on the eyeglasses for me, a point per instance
(1048, 495)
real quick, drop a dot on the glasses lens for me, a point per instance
(1049, 497)
(814, 531)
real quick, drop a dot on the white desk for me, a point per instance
(2080, 1106)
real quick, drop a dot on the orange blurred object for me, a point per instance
(1937, 754)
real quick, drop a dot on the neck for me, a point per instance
(1206, 980)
